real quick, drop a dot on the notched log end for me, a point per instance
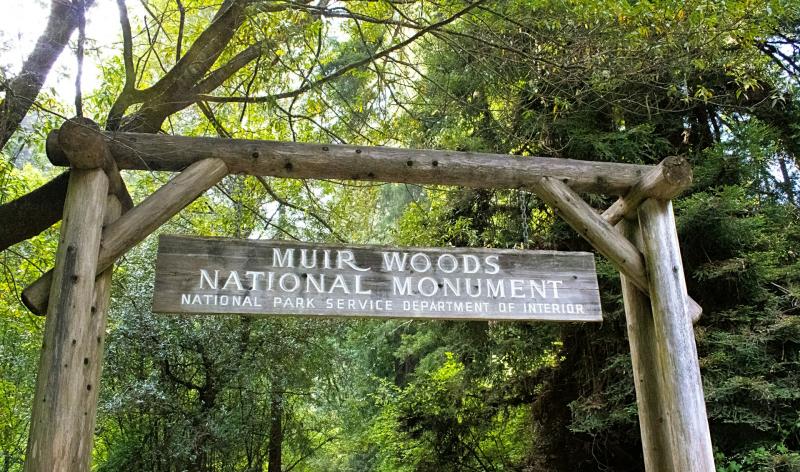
(82, 143)
(695, 311)
(677, 172)
(55, 154)
(31, 304)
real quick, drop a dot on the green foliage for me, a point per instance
(603, 80)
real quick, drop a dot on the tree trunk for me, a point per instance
(46, 203)
(23, 90)
(41, 209)
(275, 432)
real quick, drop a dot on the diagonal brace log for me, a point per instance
(604, 237)
(665, 181)
(138, 223)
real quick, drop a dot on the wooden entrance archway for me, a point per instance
(637, 234)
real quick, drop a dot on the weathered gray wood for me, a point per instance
(330, 161)
(582, 217)
(644, 358)
(604, 237)
(681, 385)
(82, 143)
(667, 180)
(116, 186)
(139, 222)
(217, 275)
(93, 362)
(57, 440)
(664, 182)
(89, 150)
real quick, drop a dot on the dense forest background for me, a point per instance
(612, 80)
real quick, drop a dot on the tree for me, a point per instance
(194, 75)
(605, 80)
(22, 90)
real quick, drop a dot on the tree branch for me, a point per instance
(44, 206)
(183, 76)
(127, 45)
(209, 114)
(308, 212)
(224, 72)
(21, 92)
(343, 70)
(81, 7)
(178, 45)
(310, 453)
(129, 94)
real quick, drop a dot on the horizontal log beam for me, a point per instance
(663, 182)
(330, 161)
(605, 238)
(138, 223)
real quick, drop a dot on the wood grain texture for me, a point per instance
(695, 310)
(681, 386)
(583, 219)
(33, 212)
(331, 161)
(96, 334)
(604, 237)
(82, 143)
(665, 181)
(139, 222)
(291, 278)
(63, 384)
(646, 370)
(85, 140)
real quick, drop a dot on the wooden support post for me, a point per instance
(138, 223)
(679, 369)
(668, 179)
(641, 333)
(665, 181)
(58, 439)
(97, 334)
(607, 240)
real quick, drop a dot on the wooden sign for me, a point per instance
(217, 275)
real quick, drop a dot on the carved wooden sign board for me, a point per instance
(257, 277)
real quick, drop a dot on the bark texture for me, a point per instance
(42, 209)
(22, 91)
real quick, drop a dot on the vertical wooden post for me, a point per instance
(641, 333)
(96, 334)
(57, 440)
(62, 423)
(679, 369)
